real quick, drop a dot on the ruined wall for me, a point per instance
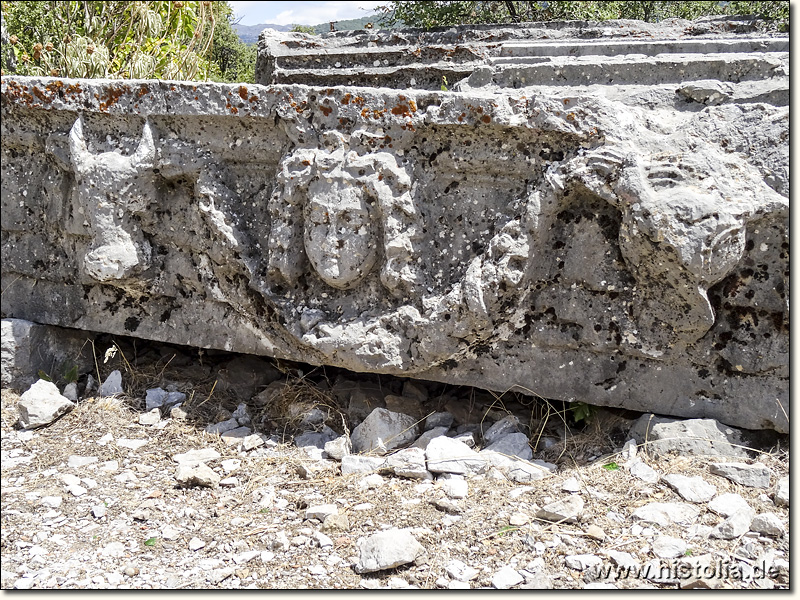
(617, 244)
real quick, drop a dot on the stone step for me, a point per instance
(675, 68)
(637, 46)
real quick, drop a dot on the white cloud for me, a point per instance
(303, 13)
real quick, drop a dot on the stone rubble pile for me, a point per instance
(730, 512)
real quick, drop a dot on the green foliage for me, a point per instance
(151, 541)
(71, 376)
(232, 60)
(612, 466)
(304, 29)
(444, 83)
(140, 39)
(430, 14)
(582, 412)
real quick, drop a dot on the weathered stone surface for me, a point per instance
(28, 348)
(768, 524)
(729, 504)
(112, 386)
(562, 225)
(384, 430)
(734, 526)
(665, 546)
(781, 496)
(703, 437)
(581, 562)
(666, 512)
(196, 474)
(409, 462)
(387, 550)
(423, 440)
(567, 510)
(338, 448)
(512, 444)
(693, 489)
(352, 463)
(516, 469)
(643, 471)
(750, 475)
(446, 455)
(41, 405)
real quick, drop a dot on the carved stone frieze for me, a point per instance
(563, 242)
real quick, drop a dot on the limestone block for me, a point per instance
(540, 230)
(28, 348)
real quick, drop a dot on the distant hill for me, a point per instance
(249, 33)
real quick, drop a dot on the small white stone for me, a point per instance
(455, 487)
(229, 466)
(768, 524)
(669, 547)
(131, 444)
(76, 490)
(196, 543)
(505, 578)
(52, 501)
(581, 562)
(75, 461)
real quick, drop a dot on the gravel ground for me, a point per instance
(92, 501)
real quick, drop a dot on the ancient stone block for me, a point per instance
(549, 228)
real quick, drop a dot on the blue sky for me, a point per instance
(302, 13)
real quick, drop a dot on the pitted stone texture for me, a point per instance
(569, 241)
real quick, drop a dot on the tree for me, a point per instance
(117, 39)
(232, 60)
(430, 14)
(304, 29)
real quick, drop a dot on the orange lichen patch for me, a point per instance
(243, 92)
(112, 96)
(401, 109)
(571, 117)
(43, 97)
(326, 110)
(486, 119)
(566, 101)
(253, 99)
(143, 89)
(412, 105)
(346, 99)
(461, 116)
